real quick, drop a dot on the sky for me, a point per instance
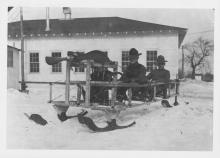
(199, 22)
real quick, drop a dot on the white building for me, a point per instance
(13, 67)
(112, 34)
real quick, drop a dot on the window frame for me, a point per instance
(151, 60)
(58, 65)
(35, 62)
(123, 68)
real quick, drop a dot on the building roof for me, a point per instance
(11, 47)
(89, 26)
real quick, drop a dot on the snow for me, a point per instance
(188, 126)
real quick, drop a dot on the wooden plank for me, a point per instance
(79, 93)
(169, 88)
(62, 83)
(114, 89)
(88, 84)
(155, 92)
(103, 83)
(50, 95)
(129, 96)
(67, 88)
(94, 64)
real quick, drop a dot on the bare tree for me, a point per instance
(197, 52)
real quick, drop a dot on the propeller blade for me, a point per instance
(54, 60)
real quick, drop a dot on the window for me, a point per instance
(151, 60)
(125, 60)
(10, 58)
(34, 62)
(57, 67)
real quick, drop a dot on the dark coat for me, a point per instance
(134, 72)
(160, 75)
(100, 94)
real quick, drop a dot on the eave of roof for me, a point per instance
(14, 48)
(90, 26)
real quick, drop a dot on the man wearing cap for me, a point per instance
(135, 72)
(160, 75)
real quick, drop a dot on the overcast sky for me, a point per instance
(200, 22)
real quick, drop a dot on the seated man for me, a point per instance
(100, 94)
(160, 75)
(135, 72)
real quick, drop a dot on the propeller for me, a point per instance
(76, 58)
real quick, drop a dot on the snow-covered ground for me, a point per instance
(188, 126)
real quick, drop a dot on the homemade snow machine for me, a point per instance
(112, 106)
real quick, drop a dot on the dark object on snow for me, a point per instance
(62, 117)
(166, 104)
(36, 118)
(186, 102)
(92, 126)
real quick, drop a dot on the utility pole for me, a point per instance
(183, 74)
(23, 86)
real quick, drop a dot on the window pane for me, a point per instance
(151, 60)
(56, 67)
(34, 62)
(125, 60)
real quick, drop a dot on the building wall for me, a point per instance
(165, 43)
(13, 72)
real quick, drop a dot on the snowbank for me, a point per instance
(184, 127)
(195, 88)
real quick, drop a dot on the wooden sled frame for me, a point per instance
(62, 106)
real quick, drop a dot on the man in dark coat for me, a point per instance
(159, 75)
(135, 72)
(100, 94)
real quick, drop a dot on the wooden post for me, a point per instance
(79, 90)
(178, 85)
(23, 85)
(177, 92)
(88, 84)
(129, 96)
(183, 61)
(169, 87)
(114, 90)
(67, 90)
(50, 99)
(155, 92)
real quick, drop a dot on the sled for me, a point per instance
(89, 62)
(113, 106)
